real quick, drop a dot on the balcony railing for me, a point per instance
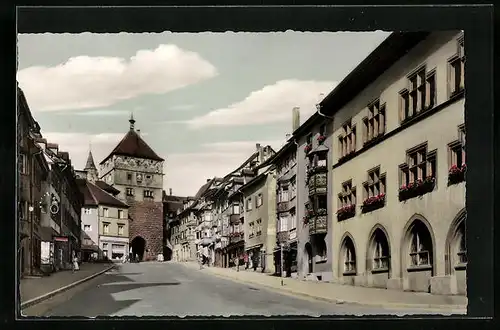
(318, 223)
(283, 206)
(317, 183)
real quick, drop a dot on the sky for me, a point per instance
(201, 100)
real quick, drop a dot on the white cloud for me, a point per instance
(273, 103)
(88, 82)
(186, 173)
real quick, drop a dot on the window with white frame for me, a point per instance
(283, 222)
(120, 214)
(121, 228)
(23, 164)
(420, 246)
(105, 212)
(249, 204)
(130, 191)
(456, 70)
(258, 200)
(87, 210)
(105, 228)
(148, 194)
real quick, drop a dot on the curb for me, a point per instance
(424, 307)
(48, 295)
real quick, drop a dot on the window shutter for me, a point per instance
(428, 92)
(353, 139)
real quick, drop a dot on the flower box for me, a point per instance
(321, 139)
(456, 174)
(373, 203)
(346, 212)
(417, 188)
(308, 148)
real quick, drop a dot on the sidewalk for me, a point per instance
(338, 293)
(31, 288)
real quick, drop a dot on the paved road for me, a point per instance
(167, 289)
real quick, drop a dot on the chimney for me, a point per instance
(170, 191)
(53, 147)
(138, 132)
(295, 118)
(208, 180)
(288, 136)
(261, 153)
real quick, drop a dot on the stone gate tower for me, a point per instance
(137, 172)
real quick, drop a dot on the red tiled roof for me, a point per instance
(134, 146)
(93, 195)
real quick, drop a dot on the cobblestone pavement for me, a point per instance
(35, 287)
(171, 289)
(343, 293)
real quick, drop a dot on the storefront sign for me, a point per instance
(60, 239)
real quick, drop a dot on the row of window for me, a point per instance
(138, 177)
(419, 254)
(286, 222)
(146, 193)
(105, 212)
(255, 228)
(419, 166)
(259, 200)
(106, 226)
(419, 96)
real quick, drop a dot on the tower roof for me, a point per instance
(133, 145)
(90, 162)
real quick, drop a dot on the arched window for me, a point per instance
(349, 256)
(420, 245)
(381, 252)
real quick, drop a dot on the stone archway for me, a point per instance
(138, 245)
(167, 253)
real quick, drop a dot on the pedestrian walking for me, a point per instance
(75, 264)
(245, 259)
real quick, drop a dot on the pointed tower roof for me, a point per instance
(90, 162)
(133, 145)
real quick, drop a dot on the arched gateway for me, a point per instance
(138, 245)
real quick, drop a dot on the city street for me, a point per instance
(170, 289)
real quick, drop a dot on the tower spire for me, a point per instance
(90, 165)
(131, 121)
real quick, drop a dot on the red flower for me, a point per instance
(307, 148)
(321, 138)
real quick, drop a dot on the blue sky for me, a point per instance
(202, 101)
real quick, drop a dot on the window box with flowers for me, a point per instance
(307, 148)
(456, 174)
(417, 188)
(346, 212)
(321, 139)
(373, 203)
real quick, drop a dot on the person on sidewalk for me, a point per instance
(75, 264)
(245, 259)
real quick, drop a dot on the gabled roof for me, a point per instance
(94, 196)
(134, 146)
(107, 188)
